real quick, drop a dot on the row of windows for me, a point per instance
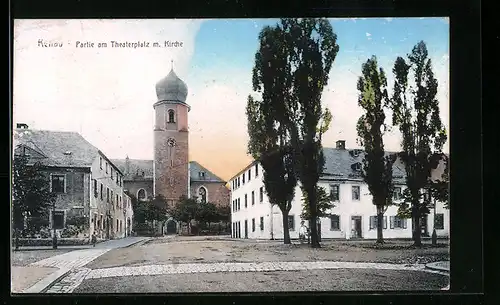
(400, 223)
(111, 197)
(246, 176)
(236, 202)
(115, 176)
(356, 192)
(334, 222)
(236, 227)
(100, 223)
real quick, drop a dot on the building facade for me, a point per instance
(88, 185)
(353, 215)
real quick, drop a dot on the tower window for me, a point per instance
(203, 194)
(141, 194)
(171, 116)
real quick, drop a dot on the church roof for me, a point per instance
(201, 174)
(57, 148)
(171, 88)
(136, 167)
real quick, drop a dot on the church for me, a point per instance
(170, 173)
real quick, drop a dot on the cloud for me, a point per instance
(368, 34)
(388, 19)
(96, 91)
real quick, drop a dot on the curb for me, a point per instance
(432, 266)
(46, 283)
(139, 241)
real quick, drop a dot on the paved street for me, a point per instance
(197, 264)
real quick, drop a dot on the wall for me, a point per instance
(133, 186)
(217, 192)
(100, 207)
(346, 207)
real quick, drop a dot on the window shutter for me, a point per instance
(372, 221)
(404, 223)
(385, 222)
(391, 219)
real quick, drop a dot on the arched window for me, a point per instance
(141, 194)
(171, 116)
(202, 193)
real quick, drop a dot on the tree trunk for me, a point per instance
(417, 231)
(286, 230)
(380, 224)
(312, 196)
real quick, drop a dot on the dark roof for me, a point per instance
(54, 144)
(136, 167)
(339, 164)
(196, 168)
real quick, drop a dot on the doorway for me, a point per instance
(356, 227)
(171, 227)
(423, 226)
(246, 228)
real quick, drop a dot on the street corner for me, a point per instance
(23, 278)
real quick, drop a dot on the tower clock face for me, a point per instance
(171, 142)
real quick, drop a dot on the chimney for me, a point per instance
(22, 126)
(340, 144)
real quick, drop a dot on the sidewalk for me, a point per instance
(106, 244)
(61, 265)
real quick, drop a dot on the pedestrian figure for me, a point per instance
(94, 239)
(302, 232)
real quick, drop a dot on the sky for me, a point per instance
(107, 93)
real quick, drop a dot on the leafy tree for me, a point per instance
(312, 51)
(186, 210)
(206, 213)
(31, 192)
(325, 204)
(416, 113)
(269, 120)
(377, 167)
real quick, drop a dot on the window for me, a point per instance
(249, 174)
(253, 197)
(261, 194)
(396, 195)
(335, 222)
(334, 192)
(58, 219)
(253, 224)
(100, 162)
(398, 223)
(439, 222)
(117, 225)
(141, 194)
(112, 197)
(58, 184)
(291, 222)
(102, 192)
(262, 223)
(96, 190)
(107, 194)
(257, 170)
(238, 205)
(112, 173)
(201, 174)
(374, 222)
(355, 192)
(107, 167)
(202, 192)
(246, 200)
(171, 116)
(243, 178)
(117, 201)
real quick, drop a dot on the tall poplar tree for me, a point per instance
(416, 113)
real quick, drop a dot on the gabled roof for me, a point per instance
(55, 146)
(136, 167)
(196, 168)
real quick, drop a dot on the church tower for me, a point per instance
(171, 137)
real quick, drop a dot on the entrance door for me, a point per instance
(356, 229)
(246, 228)
(171, 227)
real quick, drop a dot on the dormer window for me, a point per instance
(355, 153)
(201, 174)
(171, 116)
(356, 166)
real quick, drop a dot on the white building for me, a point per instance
(354, 215)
